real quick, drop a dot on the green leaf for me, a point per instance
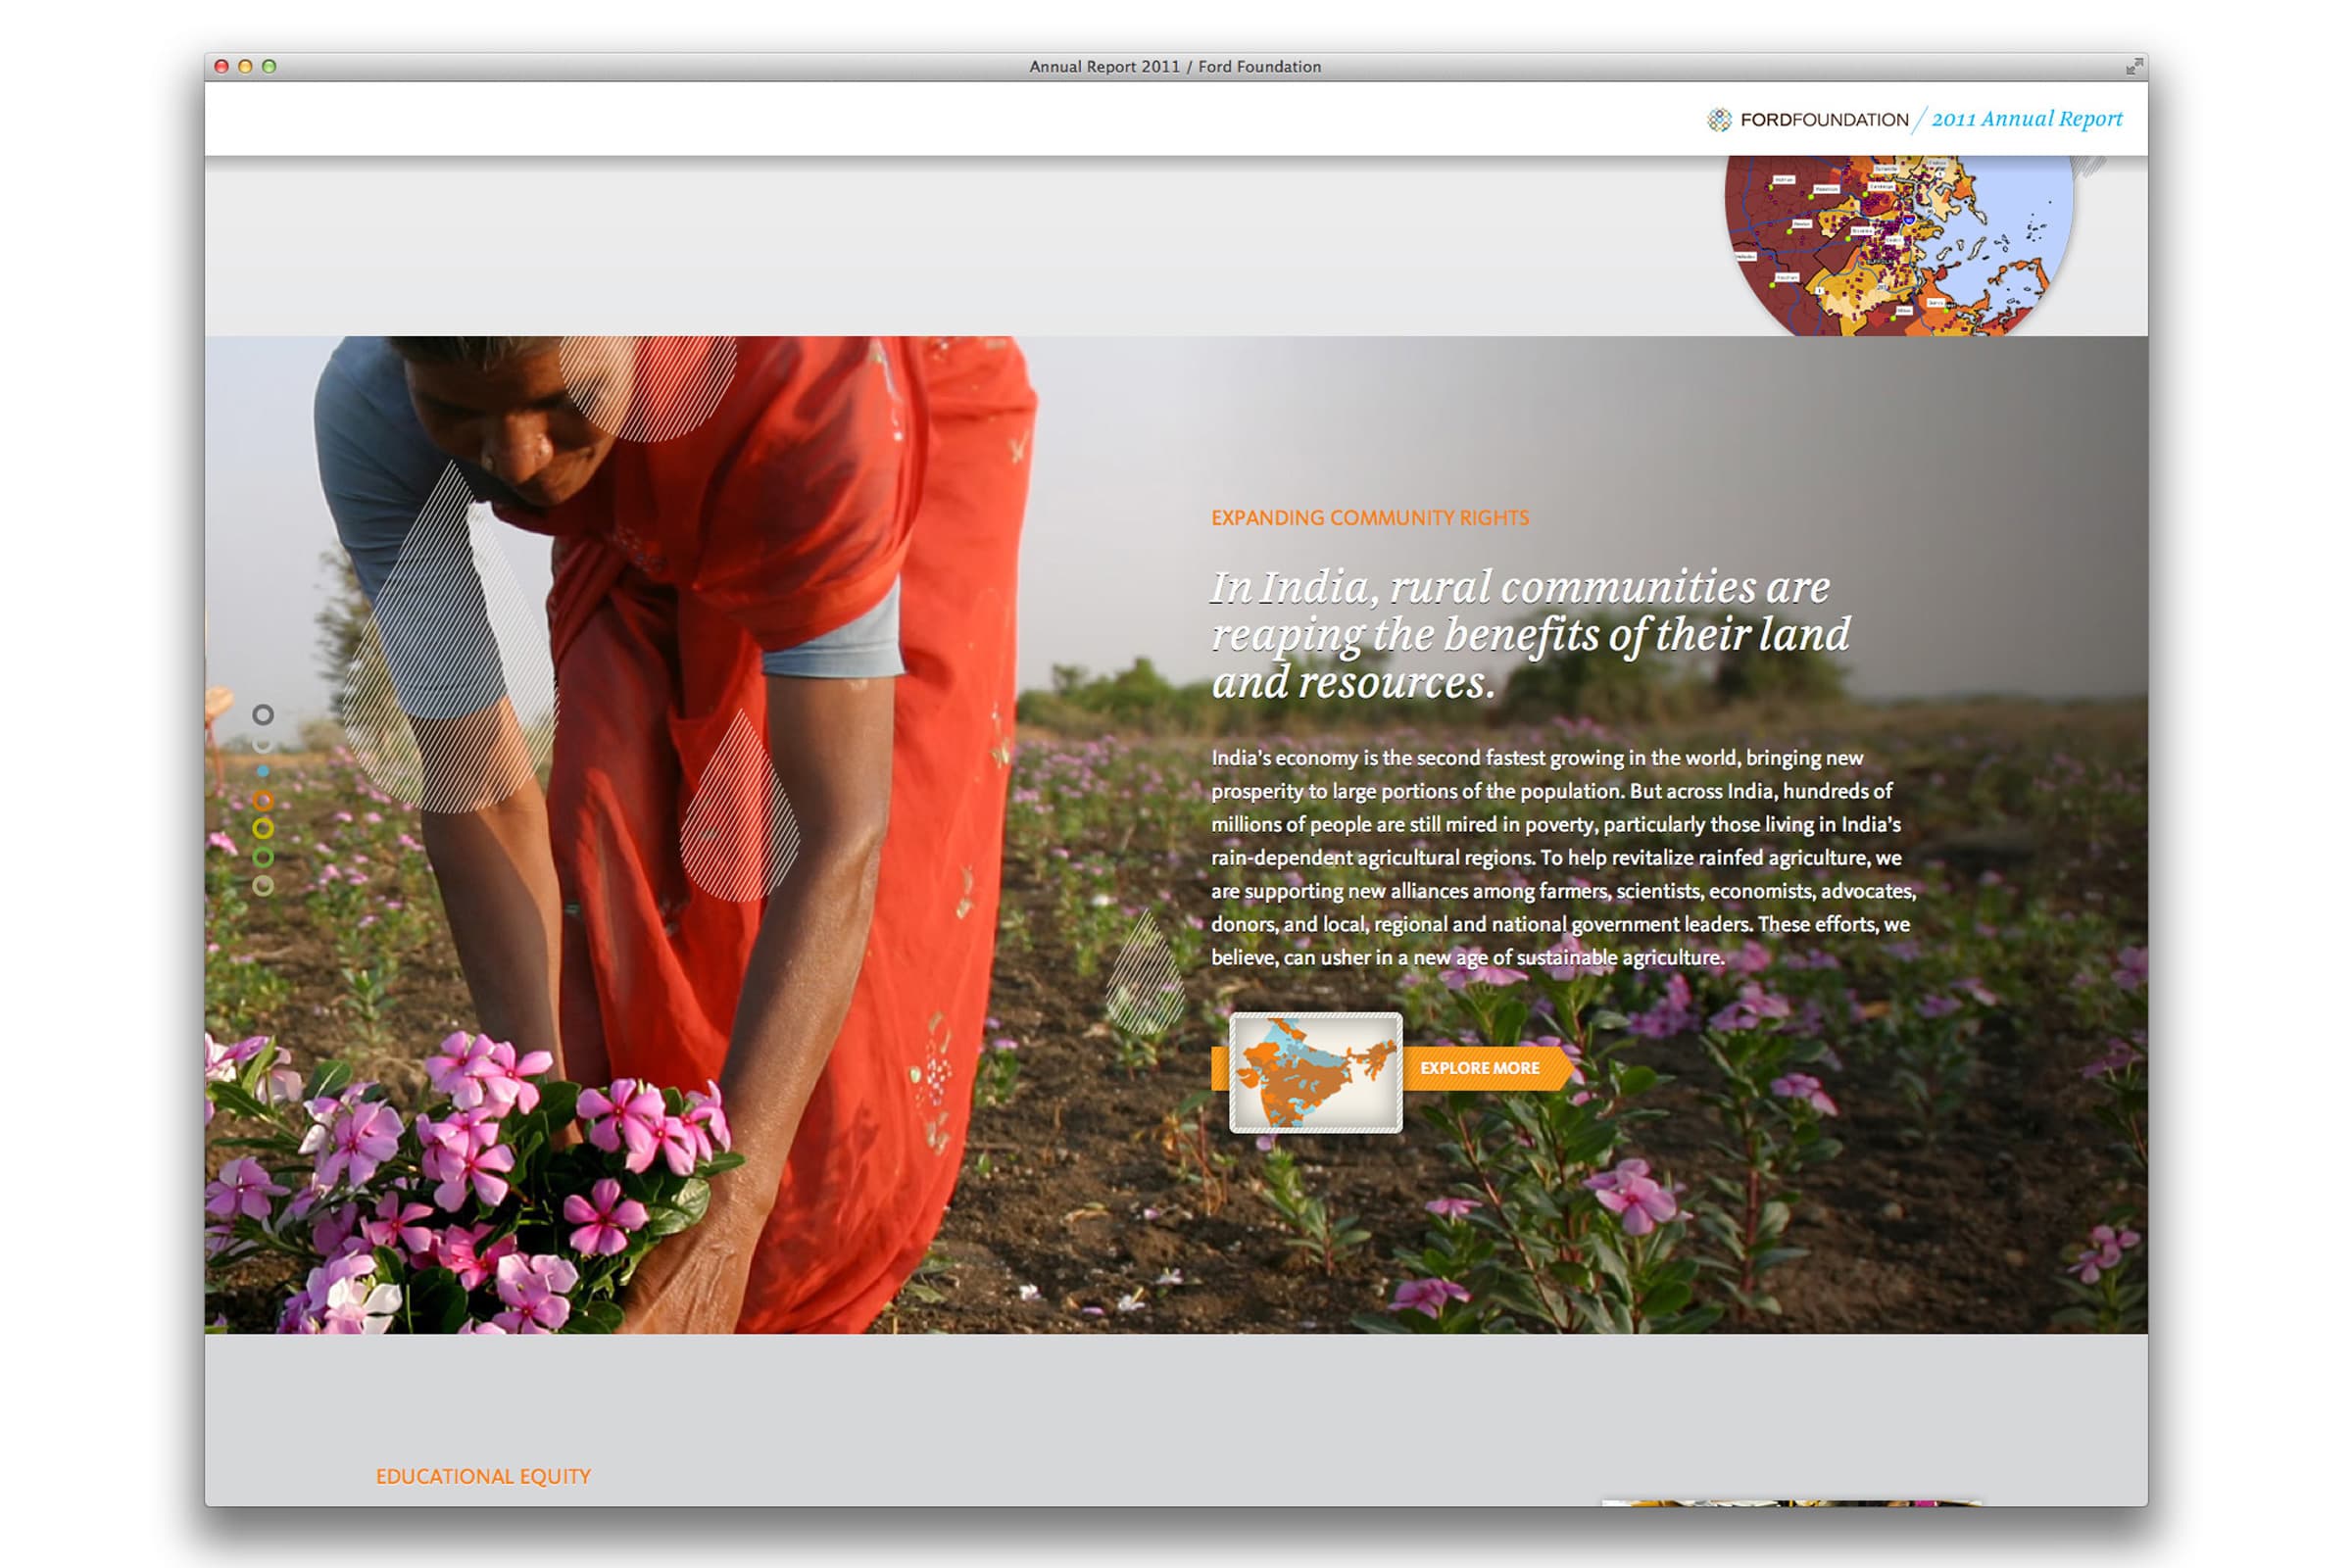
(1698, 1320)
(1612, 1262)
(1585, 1145)
(327, 1078)
(682, 1212)
(723, 1160)
(1605, 1317)
(236, 1102)
(596, 1317)
(258, 1069)
(1637, 1080)
(436, 1303)
(558, 1101)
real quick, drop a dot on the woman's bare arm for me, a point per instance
(485, 831)
(830, 741)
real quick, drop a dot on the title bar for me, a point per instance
(288, 119)
(1185, 66)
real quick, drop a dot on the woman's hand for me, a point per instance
(693, 1282)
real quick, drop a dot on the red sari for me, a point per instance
(829, 469)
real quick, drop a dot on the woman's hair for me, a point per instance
(475, 352)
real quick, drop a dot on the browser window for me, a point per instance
(1295, 731)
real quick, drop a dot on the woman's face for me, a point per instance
(540, 423)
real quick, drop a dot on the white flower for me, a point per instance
(345, 1298)
(1028, 1292)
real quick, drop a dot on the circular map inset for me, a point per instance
(1898, 247)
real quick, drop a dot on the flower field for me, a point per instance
(1944, 1132)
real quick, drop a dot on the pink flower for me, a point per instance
(678, 1142)
(221, 1062)
(627, 1115)
(474, 1070)
(1427, 1297)
(340, 1297)
(709, 1114)
(604, 1219)
(481, 1327)
(460, 1251)
(2105, 1252)
(2131, 968)
(394, 1223)
(1937, 1006)
(220, 1242)
(361, 1134)
(536, 1291)
(1974, 987)
(1576, 1060)
(1627, 1192)
(1807, 1088)
(220, 841)
(1451, 1207)
(1754, 1007)
(334, 1227)
(243, 1188)
(1753, 958)
(2118, 1055)
(1672, 1015)
(457, 1168)
(477, 1128)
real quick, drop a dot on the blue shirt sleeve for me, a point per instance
(400, 507)
(866, 648)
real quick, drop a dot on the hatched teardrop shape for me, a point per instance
(737, 838)
(1146, 994)
(451, 625)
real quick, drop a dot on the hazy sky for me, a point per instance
(1981, 506)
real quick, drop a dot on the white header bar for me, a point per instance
(1306, 119)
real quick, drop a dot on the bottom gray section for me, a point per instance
(1136, 1419)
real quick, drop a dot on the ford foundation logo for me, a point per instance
(1719, 119)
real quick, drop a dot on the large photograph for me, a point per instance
(783, 835)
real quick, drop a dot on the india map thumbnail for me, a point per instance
(1346, 1078)
(1898, 247)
